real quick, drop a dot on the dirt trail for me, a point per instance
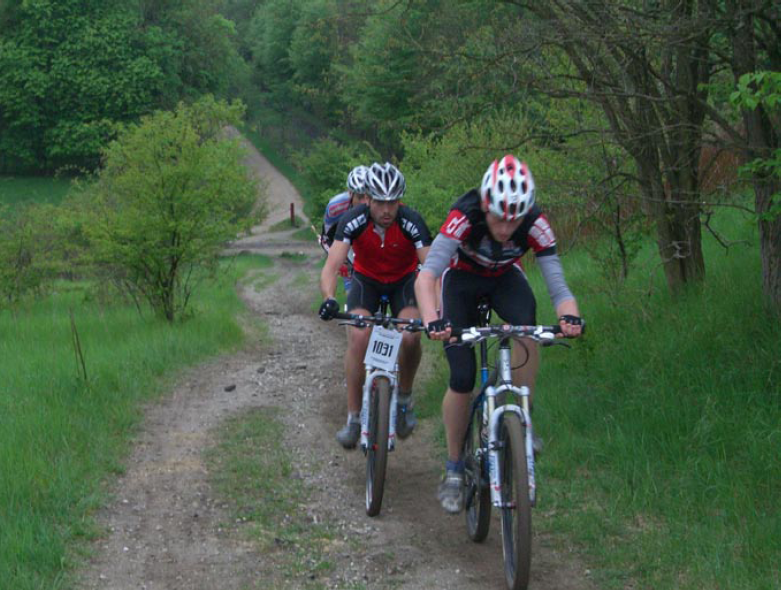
(166, 530)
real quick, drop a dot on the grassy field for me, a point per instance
(663, 426)
(61, 435)
(32, 189)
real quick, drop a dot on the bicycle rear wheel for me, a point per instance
(476, 482)
(516, 506)
(377, 447)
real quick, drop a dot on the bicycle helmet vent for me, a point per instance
(508, 188)
(385, 182)
(356, 180)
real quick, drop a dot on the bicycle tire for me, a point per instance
(516, 505)
(377, 447)
(477, 493)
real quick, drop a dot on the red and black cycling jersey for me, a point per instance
(385, 256)
(478, 252)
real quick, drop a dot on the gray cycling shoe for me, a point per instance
(406, 421)
(349, 435)
(451, 492)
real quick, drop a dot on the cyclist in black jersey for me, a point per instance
(477, 254)
(389, 240)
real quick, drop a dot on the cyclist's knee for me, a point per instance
(461, 385)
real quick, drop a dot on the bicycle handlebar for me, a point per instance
(361, 321)
(478, 333)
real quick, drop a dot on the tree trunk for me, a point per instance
(762, 140)
(678, 230)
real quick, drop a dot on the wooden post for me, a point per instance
(293, 214)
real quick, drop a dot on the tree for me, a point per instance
(753, 30)
(71, 69)
(170, 194)
(647, 64)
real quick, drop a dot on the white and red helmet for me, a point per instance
(508, 188)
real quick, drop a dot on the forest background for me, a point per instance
(652, 130)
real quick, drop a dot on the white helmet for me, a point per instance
(385, 182)
(508, 188)
(356, 180)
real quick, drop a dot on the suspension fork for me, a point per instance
(373, 374)
(496, 416)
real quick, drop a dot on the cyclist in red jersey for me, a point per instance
(477, 254)
(389, 241)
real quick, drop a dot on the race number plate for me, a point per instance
(383, 348)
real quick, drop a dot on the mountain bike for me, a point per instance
(380, 394)
(498, 447)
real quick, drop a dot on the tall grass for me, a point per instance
(664, 428)
(59, 434)
(32, 189)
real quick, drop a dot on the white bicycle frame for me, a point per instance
(496, 414)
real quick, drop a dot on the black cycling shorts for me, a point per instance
(511, 299)
(365, 293)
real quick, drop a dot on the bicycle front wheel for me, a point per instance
(477, 487)
(377, 447)
(516, 506)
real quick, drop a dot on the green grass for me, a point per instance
(285, 225)
(32, 189)
(251, 468)
(663, 426)
(59, 435)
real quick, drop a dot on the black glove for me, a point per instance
(437, 326)
(328, 309)
(574, 321)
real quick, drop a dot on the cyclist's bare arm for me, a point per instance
(426, 294)
(337, 254)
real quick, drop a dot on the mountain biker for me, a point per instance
(389, 241)
(338, 206)
(477, 254)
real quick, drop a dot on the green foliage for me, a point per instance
(383, 76)
(438, 170)
(70, 70)
(172, 191)
(313, 49)
(758, 88)
(25, 245)
(271, 32)
(325, 168)
(762, 89)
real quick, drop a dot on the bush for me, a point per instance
(172, 191)
(325, 168)
(27, 242)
